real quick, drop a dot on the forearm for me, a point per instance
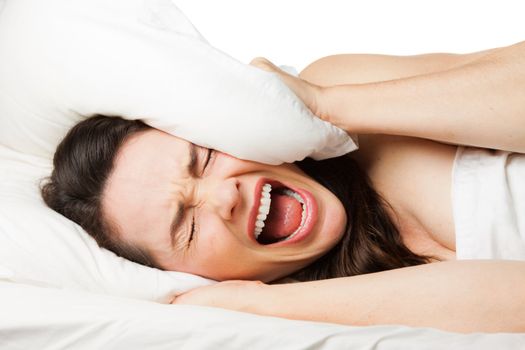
(367, 68)
(459, 296)
(480, 103)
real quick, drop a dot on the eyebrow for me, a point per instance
(191, 169)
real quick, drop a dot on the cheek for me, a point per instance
(214, 235)
(335, 218)
(339, 221)
(340, 218)
(218, 252)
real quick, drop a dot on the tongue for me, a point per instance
(283, 219)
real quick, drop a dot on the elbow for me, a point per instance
(315, 71)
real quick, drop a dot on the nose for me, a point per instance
(223, 196)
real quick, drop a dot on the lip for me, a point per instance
(310, 212)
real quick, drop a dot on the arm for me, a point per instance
(363, 68)
(475, 99)
(480, 103)
(369, 68)
(466, 296)
(458, 296)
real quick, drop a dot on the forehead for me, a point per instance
(139, 191)
(149, 152)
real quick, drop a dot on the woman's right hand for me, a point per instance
(310, 94)
(237, 295)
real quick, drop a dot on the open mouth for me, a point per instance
(280, 213)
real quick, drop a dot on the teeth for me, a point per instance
(294, 195)
(266, 200)
(264, 209)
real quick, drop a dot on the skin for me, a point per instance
(142, 195)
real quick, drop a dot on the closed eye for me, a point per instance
(208, 158)
(193, 230)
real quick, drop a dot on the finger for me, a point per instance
(263, 63)
(259, 61)
(174, 300)
(181, 298)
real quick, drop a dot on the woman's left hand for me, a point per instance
(234, 295)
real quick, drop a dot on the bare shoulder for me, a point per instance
(415, 176)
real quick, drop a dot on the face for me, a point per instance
(196, 210)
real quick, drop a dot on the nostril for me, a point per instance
(228, 197)
(238, 197)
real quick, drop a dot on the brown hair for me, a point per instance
(82, 164)
(371, 242)
(84, 160)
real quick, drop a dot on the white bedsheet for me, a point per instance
(44, 318)
(489, 204)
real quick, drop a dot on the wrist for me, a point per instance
(247, 296)
(286, 300)
(371, 108)
(263, 299)
(338, 107)
(323, 104)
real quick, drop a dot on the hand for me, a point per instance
(309, 93)
(243, 296)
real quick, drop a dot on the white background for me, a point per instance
(297, 32)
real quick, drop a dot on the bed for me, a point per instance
(58, 289)
(47, 318)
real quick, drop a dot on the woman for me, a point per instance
(199, 211)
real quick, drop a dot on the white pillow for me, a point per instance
(41, 247)
(64, 60)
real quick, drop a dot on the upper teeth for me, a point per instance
(264, 208)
